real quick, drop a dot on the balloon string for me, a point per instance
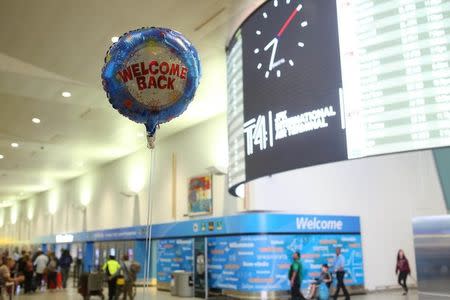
(148, 231)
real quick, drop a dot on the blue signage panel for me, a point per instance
(173, 255)
(116, 234)
(259, 223)
(255, 223)
(261, 262)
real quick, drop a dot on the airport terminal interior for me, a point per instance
(233, 149)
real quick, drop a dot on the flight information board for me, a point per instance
(325, 81)
(396, 75)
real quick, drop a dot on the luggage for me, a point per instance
(51, 285)
(91, 284)
(83, 284)
(59, 280)
(324, 292)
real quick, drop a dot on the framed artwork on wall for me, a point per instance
(200, 195)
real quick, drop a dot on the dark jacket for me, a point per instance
(65, 261)
(403, 266)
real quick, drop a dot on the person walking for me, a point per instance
(112, 268)
(64, 263)
(402, 270)
(339, 269)
(295, 276)
(21, 262)
(16, 255)
(129, 276)
(40, 264)
(20, 269)
(8, 280)
(52, 271)
(28, 272)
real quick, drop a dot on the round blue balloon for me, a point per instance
(151, 75)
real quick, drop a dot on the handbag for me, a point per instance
(120, 280)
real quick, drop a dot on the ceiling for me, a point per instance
(52, 46)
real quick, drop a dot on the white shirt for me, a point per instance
(41, 263)
(16, 256)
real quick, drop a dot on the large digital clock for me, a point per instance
(319, 81)
(291, 81)
(271, 54)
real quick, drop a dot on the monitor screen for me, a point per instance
(319, 81)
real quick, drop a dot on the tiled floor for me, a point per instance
(151, 293)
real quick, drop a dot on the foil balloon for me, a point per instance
(151, 75)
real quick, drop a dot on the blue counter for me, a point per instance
(247, 252)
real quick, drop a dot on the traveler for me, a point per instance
(64, 263)
(52, 271)
(129, 277)
(339, 269)
(295, 276)
(28, 272)
(112, 268)
(6, 279)
(403, 270)
(36, 254)
(16, 255)
(324, 284)
(40, 264)
(21, 262)
(20, 265)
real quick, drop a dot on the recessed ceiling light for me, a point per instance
(14, 145)
(36, 120)
(115, 39)
(66, 94)
(1, 156)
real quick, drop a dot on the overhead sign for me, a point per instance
(64, 238)
(253, 223)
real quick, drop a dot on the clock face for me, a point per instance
(290, 67)
(281, 26)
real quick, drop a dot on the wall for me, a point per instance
(385, 191)
(101, 189)
(442, 158)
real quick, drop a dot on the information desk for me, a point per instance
(246, 254)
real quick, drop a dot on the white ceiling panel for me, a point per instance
(52, 46)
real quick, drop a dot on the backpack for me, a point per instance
(52, 265)
(135, 268)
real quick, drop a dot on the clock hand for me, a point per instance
(274, 44)
(289, 20)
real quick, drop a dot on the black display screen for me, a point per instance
(291, 83)
(318, 81)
